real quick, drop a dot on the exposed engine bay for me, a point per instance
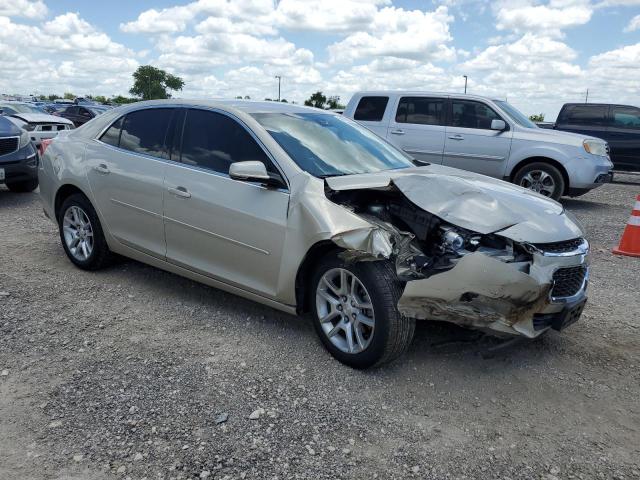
(480, 280)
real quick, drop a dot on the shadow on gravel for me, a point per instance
(580, 204)
(10, 199)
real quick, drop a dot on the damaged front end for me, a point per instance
(482, 280)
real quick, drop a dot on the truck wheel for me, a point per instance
(23, 187)
(355, 312)
(541, 177)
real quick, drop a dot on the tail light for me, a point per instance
(44, 144)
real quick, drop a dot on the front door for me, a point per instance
(228, 229)
(624, 137)
(470, 144)
(418, 128)
(126, 170)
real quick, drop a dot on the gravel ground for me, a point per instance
(132, 372)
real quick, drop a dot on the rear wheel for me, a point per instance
(81, 233)
(541, 177)
(23, 187)
(355, 312)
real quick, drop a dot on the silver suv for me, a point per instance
(484, 136)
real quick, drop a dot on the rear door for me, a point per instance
(126, 170)
(370, 112)
(624, 137)
(418, 127)
(228, 229)
(470, 144)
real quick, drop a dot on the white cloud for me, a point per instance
(23, 8)
(396, 32)
(634, 24)
(550, 19)
(334, 16)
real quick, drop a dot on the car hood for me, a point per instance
(472, 201)
(41, 118)
(8, 128)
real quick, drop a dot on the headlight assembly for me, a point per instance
(24, 139)
(595, 147)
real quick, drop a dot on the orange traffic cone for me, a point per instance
(630, 241)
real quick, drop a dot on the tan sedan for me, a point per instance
(306, 211)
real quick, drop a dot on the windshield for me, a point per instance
(515, 114)
(19, 108)
(328, 145)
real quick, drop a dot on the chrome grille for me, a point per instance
(568, 281)
(560, 247)
(8, 145)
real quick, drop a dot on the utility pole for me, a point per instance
(279, 77)
(465, 83)
(586, 98)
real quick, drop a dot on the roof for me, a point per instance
(420, 93)
(246, 106)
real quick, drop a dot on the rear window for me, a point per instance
(144, 131)
(421, 111)
(626, 117)
(586, 115)
(112, 134)
(371, 109)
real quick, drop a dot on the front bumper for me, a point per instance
(507, 299)
(20, 166)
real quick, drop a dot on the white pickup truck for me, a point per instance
(485, 136)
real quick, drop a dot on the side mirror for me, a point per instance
(498, 125)
(254, 171)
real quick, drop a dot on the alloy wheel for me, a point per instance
(78, 233)
(539, 181)
(345, 310)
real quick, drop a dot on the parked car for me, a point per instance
(618, 125)
(18, 158)
(40, 125)
(81, 114)
(485, 136)
(304, 210)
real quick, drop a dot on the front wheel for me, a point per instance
(541, 177)
(355, 312)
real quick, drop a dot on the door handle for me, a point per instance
(456, 137)
(102, 168)
(179, 192)
(397, 132)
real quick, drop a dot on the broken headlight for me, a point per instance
(452, 241)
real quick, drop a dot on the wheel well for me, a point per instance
(62, 194)
(550, 161)
(303, 277)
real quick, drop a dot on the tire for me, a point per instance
(538, 176)
(23, 187)
(99, 255)
(391, 334)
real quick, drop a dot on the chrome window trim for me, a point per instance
(207, 170)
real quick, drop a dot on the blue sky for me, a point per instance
(537, 53)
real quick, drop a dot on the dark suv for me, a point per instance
(618, 125)
(18, 158)
(81, 114)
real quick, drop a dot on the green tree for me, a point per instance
(100, 99)
(317, 100)
(69, 96)
(52, 97)
(151, 83)
(119, 99)
(334, 102)
(539, 117)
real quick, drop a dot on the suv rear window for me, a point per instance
(586, 115)
(371, 109)
(421, 111)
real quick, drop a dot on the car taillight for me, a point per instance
(44, 144)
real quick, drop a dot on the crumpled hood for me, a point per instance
(472, 201)
(41, 118)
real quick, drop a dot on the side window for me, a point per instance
(468, 114)
(626, 117)
(421, 111)
(587, 115)
(144, 131)
(214, 141)
(371, 109)
(112, 135)
(72, 110)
